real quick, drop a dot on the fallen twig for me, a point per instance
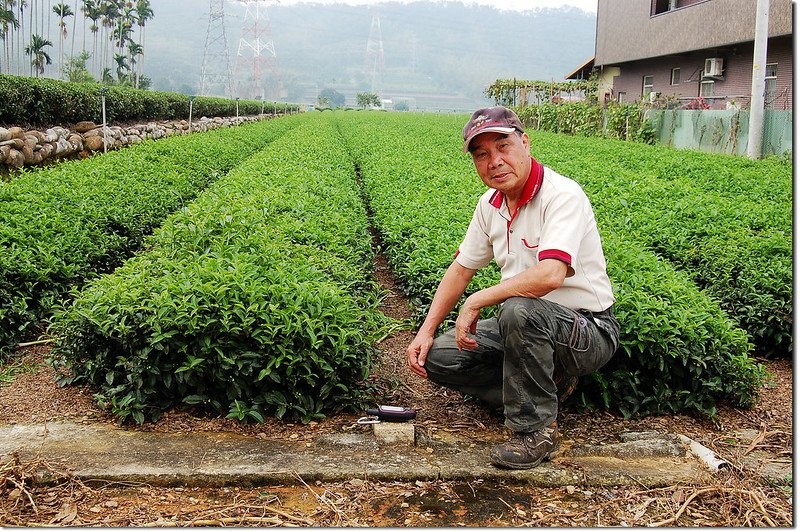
(216, 522)
(324, 500)
(35, 342)
(758, 439)
(697, 493)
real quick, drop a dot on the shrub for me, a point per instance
(43, 102)
(678, 349)
(253, 301)
(62, 225)
(725, 220)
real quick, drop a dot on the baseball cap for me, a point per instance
(490, 119)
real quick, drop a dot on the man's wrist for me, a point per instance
(427, 330)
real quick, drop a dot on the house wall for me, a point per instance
(626, 30)
(735, 85)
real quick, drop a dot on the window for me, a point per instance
(675, 78)
(770, 85)
(647, 85)
(620, 97)
(662, 6)
(707, 89)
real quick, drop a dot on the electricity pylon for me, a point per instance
(256, 51)
(215, 74)
(373, 58)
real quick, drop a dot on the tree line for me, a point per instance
(33, 31)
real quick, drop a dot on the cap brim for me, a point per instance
(488, 129)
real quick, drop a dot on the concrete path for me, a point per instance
(106, 453)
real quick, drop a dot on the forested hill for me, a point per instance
(430, 48)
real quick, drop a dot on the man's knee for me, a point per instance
(443, 357)
(520, 313)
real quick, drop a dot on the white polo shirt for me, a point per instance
(554, 221)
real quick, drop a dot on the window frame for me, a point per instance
(675, 76)
(706, 83)
(770, 85)
(645, 85)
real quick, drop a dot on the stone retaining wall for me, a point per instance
(19, 147)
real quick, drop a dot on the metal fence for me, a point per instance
(721, 131)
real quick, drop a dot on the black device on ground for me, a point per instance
(392, 413)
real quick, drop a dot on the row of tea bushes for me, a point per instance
(254, 300)
(678, 349)
(725, 220)
(36, 102)
(62, 225)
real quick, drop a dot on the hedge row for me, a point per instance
(64, 224)
(678, 349)
(725, 220)
(255, 300)
(39, 102)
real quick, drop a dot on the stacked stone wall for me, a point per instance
(19, 147)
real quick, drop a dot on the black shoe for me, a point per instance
(527, 449)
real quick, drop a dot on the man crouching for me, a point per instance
(555, 321)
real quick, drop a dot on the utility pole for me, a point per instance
(256, 50)
(373, 59)
(216, 70)
(756, 133)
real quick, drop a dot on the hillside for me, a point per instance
(438, 55)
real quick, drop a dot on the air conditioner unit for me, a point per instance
(713, 67)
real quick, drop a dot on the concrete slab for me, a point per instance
(394, 433)
(107, 453)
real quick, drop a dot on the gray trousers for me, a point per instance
(518, 354)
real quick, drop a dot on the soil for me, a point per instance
(737, 496)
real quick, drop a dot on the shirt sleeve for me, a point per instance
(475, 250)
(565, 222)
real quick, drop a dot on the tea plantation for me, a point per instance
(253, 296)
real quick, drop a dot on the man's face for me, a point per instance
(502, 160)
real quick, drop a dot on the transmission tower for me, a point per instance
(373, 59)
(215, 75)
(256, 51)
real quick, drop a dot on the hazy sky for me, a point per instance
(517, 5)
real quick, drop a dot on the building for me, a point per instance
(690, 49)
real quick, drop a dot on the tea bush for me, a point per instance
(725, 220)
(43, 102)
(255, 300)
(62, 225)
(678, 349)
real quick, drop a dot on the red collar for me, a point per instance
(532, 186)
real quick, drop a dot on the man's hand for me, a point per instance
(417, 352)
(467, 323)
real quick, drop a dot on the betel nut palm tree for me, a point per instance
(63, 11)
(37, 53)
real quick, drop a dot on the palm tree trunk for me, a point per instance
(62, 25)
(141, 59)
(32, 17)
(74, 23)
(21, 50)
(141, 56)
(84, 32)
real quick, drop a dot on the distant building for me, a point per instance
(689, 49)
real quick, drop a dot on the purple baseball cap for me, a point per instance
(491, 119)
